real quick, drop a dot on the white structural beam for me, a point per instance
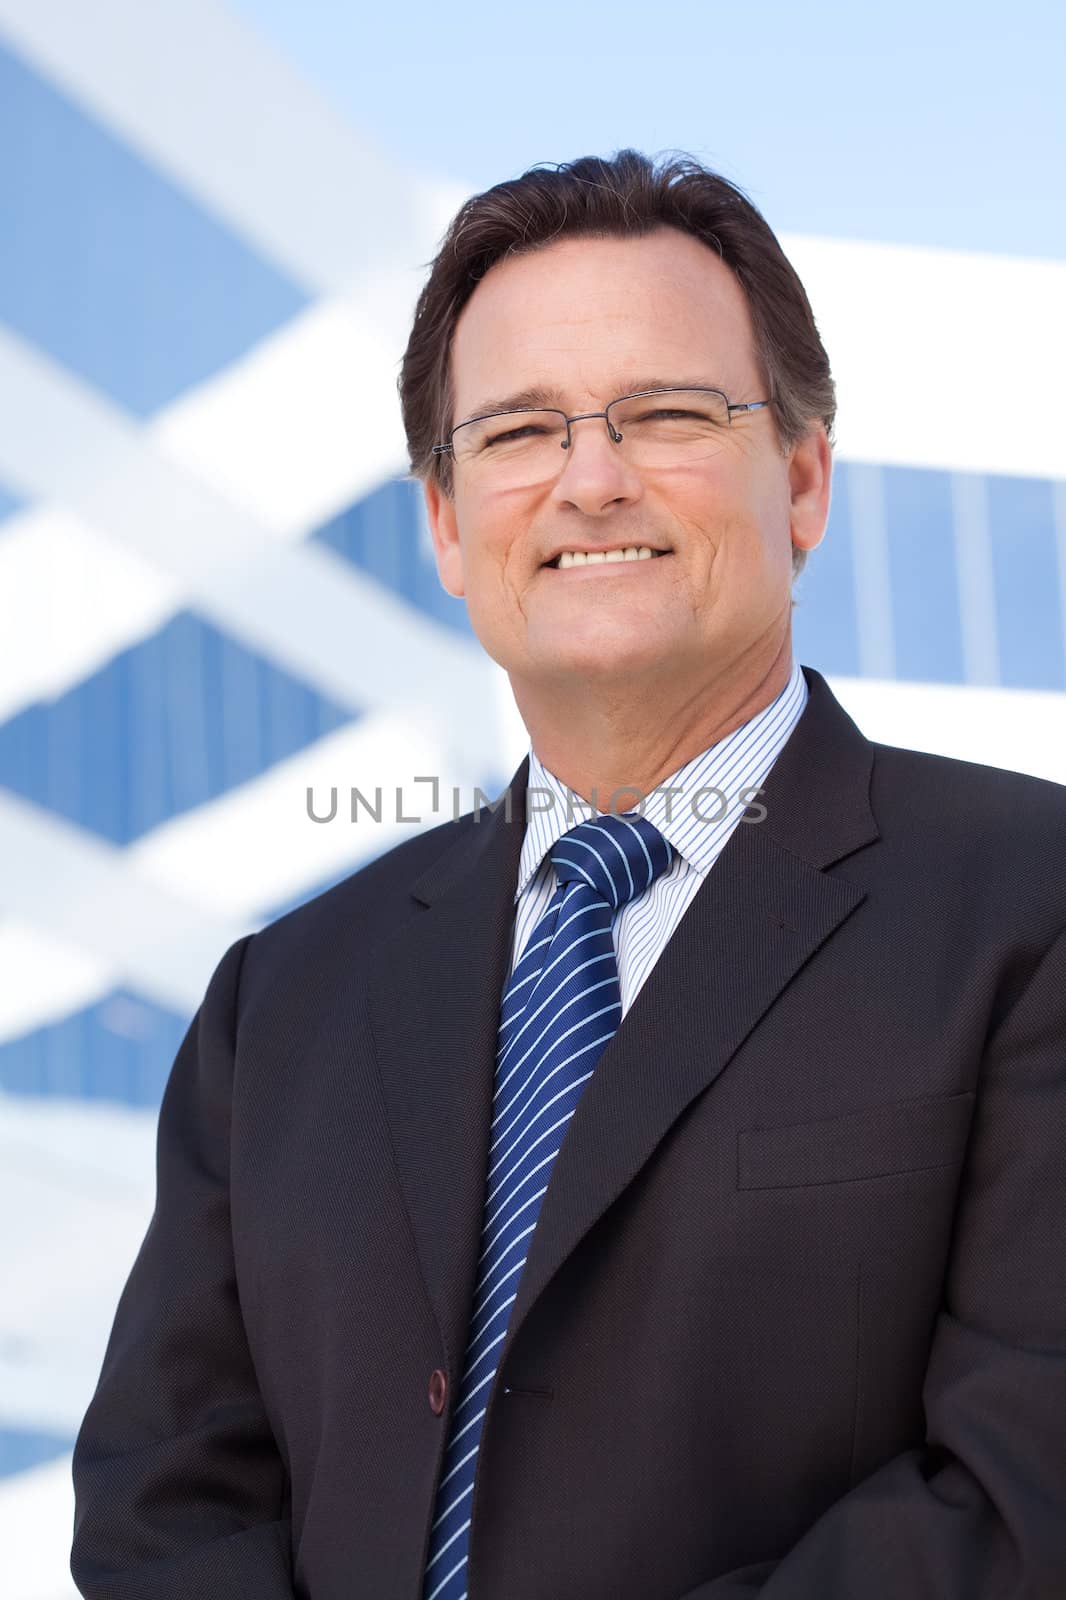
(942, 358)
(306, 608)
(178, 896)
(215, 106)
(79, 889)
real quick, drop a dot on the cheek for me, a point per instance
(769, 493)
(711, 501)
(491, 581)
(499, 555)
(756, 509)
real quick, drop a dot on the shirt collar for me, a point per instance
(739, 762)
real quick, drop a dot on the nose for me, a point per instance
(595, 471)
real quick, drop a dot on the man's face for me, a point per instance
(586, 317)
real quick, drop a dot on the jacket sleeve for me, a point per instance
(979, 1511)
(179, 1488)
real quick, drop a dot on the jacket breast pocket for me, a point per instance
(902, 1136)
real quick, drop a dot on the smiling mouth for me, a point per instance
(613, 558)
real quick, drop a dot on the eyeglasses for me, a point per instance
(511, 449)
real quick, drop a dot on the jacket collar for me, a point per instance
(734, 765)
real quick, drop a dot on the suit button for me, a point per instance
(438, 1389)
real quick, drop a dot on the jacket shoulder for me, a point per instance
(371, 889)
(970, 790)
(976, 825)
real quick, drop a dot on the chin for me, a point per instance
(600, 658)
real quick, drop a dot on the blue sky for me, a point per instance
(937, 124)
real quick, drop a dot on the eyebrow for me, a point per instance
(549, 397)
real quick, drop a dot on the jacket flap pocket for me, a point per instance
(903, 1136)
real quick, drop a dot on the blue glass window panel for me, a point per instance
(824, 623)
(108, 266)
(1028, 585)
(119, 1049)
(919, 527)
(8, 502)
(23, 1448)
(169, 724)
(381, 534)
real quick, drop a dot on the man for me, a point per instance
(652, 1191)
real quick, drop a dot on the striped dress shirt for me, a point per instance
(735, 766)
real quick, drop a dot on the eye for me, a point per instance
(527, 429)
(671, 413)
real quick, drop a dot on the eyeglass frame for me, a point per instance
(582, 416)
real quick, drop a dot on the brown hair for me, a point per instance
(626, 196)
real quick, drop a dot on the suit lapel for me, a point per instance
(434, 997)
(765, 907)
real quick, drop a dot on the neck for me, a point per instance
(607, 740)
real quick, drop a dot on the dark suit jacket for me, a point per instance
(793, 1319)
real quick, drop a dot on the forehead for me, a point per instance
(584, 316)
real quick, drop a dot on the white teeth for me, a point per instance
(581, 558)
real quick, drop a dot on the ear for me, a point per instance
(440, 511)
(810, 471)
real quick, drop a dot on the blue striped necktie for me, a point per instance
(560, 1007)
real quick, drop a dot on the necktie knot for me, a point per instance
(618, 857)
